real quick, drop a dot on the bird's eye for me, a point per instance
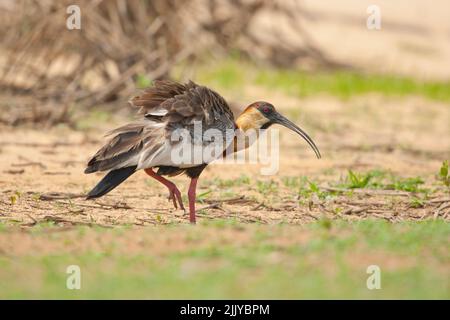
(266, 109)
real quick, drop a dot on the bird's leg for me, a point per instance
(174, 193)
(191, 197)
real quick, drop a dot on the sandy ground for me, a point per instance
(42, 170)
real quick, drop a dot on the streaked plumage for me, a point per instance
(147, 143)
(166, 106)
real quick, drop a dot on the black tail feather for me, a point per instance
(110, 181)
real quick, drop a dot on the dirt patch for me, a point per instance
(42, 171)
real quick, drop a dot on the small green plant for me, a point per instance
(379, 179)
(16, 196)
(305, 188)
(313, 188)
(443, 174)
(370, 179)
(416, 203)
(266, 187)
(406, 184)
(337, 210)
(358, 180)
(13, 199)
(202, 196)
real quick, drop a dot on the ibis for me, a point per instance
(148, 143)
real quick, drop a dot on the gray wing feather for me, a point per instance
(119, 150)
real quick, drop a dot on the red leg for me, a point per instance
(174, 193)
(191, 197)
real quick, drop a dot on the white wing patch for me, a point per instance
(159, 112)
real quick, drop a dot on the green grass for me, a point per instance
(327, 259)
(379, 179)
(233, 74)
(373, 179)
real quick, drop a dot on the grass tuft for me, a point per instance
(378, 179)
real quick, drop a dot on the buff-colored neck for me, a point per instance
(250, 119)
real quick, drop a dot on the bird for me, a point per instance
(168, 107)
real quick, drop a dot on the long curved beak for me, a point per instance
(280, 119)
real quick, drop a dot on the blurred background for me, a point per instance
(48, 72)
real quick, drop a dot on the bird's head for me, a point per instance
(261, 115)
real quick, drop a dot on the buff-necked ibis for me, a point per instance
(147, 144)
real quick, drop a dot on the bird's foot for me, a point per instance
(175, 196)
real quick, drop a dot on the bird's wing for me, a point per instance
(182, 103)
(167, 106)
(198, 103)
(125, 146)
(150, 102)
(194, 111)
(127, 142)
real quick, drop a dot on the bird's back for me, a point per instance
(165, 107)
